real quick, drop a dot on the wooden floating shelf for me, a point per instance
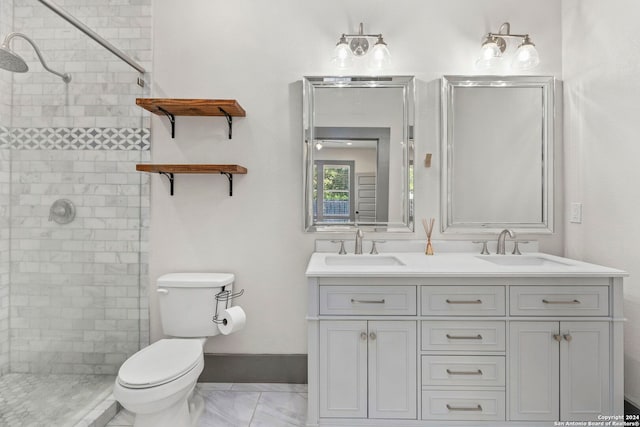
(172, 107)
(170, 170)
(192, 107)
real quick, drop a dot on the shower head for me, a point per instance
(11, 61)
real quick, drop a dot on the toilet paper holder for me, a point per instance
(224, 297)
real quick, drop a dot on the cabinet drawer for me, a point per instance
(463, 301)
(369, 300)
(463, 335)
(463, 370)
(559, 301)
(463, 405)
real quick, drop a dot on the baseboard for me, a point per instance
(630, 408)
(255, 368)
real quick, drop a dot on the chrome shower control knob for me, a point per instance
(62, 211)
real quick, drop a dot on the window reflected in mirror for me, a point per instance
(358, 153)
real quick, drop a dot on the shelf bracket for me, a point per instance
(229, 120)
(171, 179)
(172, 120)
(230, 178)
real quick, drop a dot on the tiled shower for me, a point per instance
(72, 296)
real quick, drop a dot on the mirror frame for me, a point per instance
(407, 84)
(547, 86)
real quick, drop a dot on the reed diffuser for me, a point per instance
(428, 228)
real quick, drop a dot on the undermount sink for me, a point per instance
(372, 260)
(521, 260)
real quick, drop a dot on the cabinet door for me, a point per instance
(584, 371)
(343, 369)
(392, 369)
(534, 363)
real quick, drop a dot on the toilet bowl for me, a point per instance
(157, 383)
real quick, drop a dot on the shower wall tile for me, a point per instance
(6, 20)
(103, 88)
(77, 305)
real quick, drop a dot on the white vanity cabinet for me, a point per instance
(368, 369)
(367, 366)
(444, 350)
(560, 369)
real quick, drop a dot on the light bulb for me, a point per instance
(380, 56)
(490, 54)
(342, 55)
(526, 57)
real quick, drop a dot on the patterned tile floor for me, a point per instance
(245, 405)
(31, 400)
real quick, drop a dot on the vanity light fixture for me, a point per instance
(494, 45)
(350, 46)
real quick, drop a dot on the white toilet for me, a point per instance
(156, 383)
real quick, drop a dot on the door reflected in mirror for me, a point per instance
(358, 153)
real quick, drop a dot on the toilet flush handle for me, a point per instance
(162, 291)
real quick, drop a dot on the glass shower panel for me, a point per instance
(76, 303)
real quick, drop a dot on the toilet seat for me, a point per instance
(161, 362)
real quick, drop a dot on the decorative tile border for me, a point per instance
(5, 137)
(136, 139)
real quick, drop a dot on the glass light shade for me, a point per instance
(342, 56)
(490, 55)
(526, 57)
(379, 56)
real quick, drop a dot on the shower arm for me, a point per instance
(89, 32)
(64, 76)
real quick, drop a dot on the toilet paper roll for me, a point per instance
(233, 319)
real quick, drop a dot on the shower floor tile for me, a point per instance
(32, 400)
(245, 405)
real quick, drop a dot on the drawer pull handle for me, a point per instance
(557, 337)
(469, 337)
(367, 301)
(464, 408)
(363, 336)
(476, 372)
(575, 301)
(452, 301)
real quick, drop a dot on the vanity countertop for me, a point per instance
(453, 264)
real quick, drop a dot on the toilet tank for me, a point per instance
(187, 302)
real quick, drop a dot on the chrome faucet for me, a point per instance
(501, 238)
(359, 236)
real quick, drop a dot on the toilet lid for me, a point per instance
(159, 363)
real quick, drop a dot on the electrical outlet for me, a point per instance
(576, 213)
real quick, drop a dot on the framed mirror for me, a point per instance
(497, 154)
(358, 153)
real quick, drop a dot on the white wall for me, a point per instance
(601, 65)
(257, 52)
